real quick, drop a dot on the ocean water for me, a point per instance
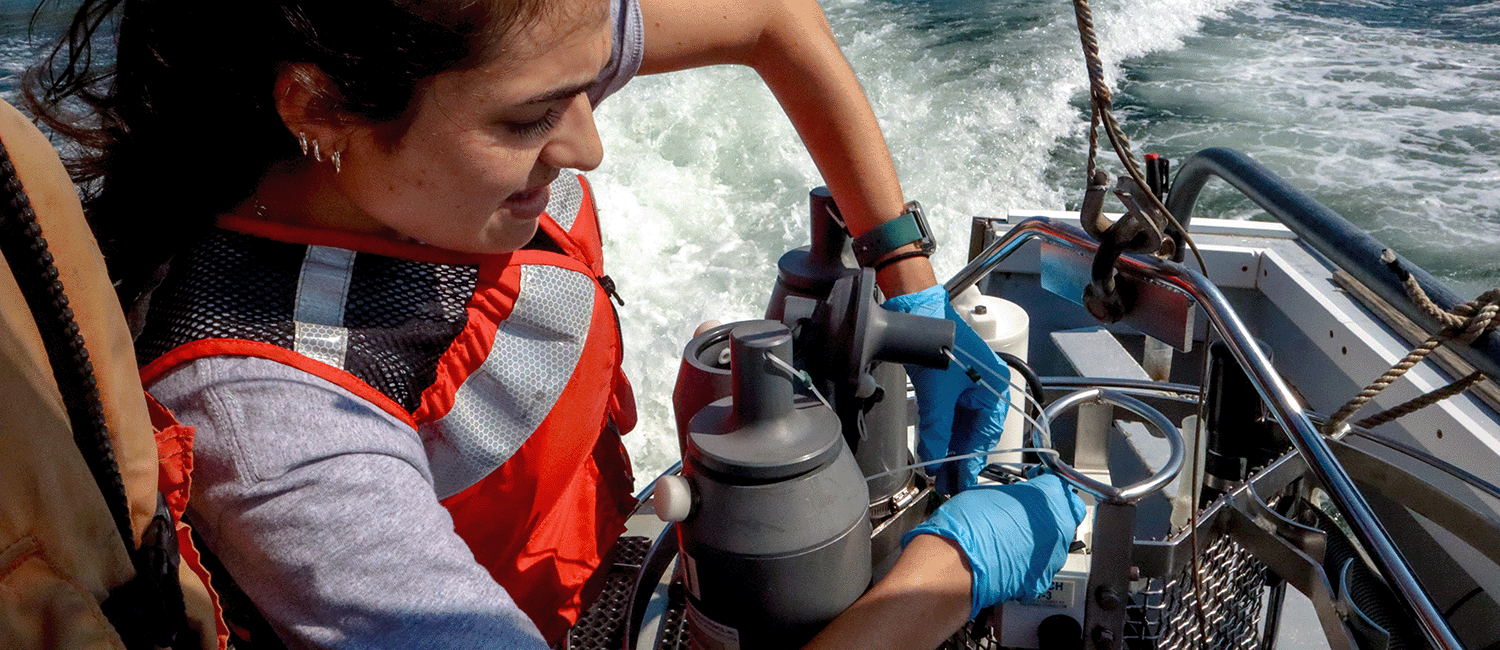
(1386, 110)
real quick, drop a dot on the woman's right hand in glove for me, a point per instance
(988, 544)
(1015, 536)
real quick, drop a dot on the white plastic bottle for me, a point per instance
(1004, 326)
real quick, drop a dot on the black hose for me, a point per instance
(25, 248)
(147, 611)
(1033, 408)
(1366, 591)
(1033, 382)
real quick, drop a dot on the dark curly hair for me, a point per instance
(182, 124)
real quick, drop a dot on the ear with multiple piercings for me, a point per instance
(311, 146)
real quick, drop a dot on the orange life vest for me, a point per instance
(507, 365)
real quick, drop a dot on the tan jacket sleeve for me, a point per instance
(60, 552)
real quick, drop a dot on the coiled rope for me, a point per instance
(1101, 112)
(1463, 324)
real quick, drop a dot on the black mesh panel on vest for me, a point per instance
(401, 315)
(227, 285)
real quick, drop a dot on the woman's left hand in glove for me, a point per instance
(956, 415)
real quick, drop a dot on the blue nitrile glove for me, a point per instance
(955, 414)
(1015, 536)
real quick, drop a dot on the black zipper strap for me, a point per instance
(608, 284)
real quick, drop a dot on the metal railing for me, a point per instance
(1277, 394)
(1344, 244)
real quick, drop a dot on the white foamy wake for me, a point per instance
(1391, 122)
(705, 183)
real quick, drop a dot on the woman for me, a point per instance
(405, 380)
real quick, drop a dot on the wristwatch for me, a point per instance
(910, 227)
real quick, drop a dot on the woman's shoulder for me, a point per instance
(381, 321)
(256, 419)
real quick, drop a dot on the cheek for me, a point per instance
(474, 165)
(490, 182)
(453, 173)
(502, 165)
(424, 176)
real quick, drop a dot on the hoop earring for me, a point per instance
(316, 153)
(302, 142)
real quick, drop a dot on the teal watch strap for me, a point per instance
(910, 227)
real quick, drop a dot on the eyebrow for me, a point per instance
(563, 93)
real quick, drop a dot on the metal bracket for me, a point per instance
(1256, 526)
(1066, 273)
(917, 503)
(1109, 576)
(1141, 230)
(1310, 541)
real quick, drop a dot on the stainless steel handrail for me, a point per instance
(1271, 387)
(996, 253)
(1345, 245)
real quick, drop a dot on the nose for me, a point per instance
(575, 142)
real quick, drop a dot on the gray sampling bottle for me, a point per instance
(853, 349)
(777, 543)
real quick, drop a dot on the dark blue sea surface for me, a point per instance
(1385, 111)
(23, 40)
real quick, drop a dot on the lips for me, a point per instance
(527, 204)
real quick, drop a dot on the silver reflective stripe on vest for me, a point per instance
(498, 407)
(322, 291)
(566, 196)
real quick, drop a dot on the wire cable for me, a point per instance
(977, 454)
(799, 376)
(1040, 423)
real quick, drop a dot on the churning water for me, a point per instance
(1384, 110)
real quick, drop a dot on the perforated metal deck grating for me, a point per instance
(603, 625)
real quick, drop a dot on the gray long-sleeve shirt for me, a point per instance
(321, 506)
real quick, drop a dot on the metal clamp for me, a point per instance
(1153, 419)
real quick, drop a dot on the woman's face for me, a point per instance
(471, 171)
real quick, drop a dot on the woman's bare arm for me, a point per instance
(921, 602)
